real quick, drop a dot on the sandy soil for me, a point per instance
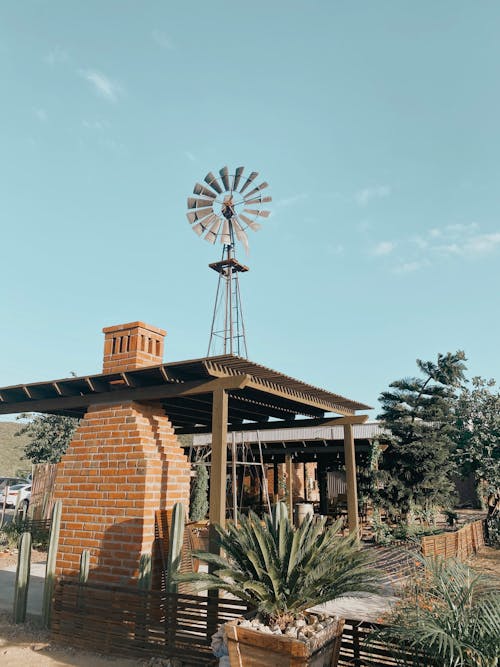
(29, 646)
(487, 561)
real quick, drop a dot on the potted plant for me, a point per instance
(281, 572)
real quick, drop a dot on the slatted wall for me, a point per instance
(127, 621)
(459, 544)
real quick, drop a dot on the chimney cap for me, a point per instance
(135, 325)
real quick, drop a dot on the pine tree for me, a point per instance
(199, 494)
(418, 412)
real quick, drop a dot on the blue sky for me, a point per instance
(375, 123)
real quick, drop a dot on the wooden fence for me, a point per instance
(459, 544)
(359, 648)
(128, 621)
(42, 491)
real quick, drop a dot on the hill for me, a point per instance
(11, 450)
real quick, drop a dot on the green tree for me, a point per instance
(49, 436)
(416, 468)
(478, 435)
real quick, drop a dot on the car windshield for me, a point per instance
(16, 487)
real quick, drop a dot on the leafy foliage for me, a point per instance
(281, 570)
(10, 534)
(199, 494)
(478, 434)
(450, 613)
(418, 412)
(48, 436)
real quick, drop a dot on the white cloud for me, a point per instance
(57, 56)
(162, 40)
(408, 267)
(41, 114)
(102, 84)
(289, 201)
(363, 197)
(95, 124)
(383, 248)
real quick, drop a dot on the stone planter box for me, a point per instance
(251, 648)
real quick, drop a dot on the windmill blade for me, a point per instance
(213, 183)
(251, 178)
(200, 189)
(226, 235)
(224, 174)
(199, 214)
(257, 200)
(193, 202)
(237, 176)
(211, 236)
(199, 228)
(240, 234)
(254, 226)
(259, 187)
(264, 214)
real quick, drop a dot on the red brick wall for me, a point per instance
(123, 464)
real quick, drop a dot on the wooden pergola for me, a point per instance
(213, 395)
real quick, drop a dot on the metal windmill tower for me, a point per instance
(221, 211)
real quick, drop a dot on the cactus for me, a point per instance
(50, 570)
(280, 511)
(175, 545)
(144, 581)
(22, 578)
(83, 575)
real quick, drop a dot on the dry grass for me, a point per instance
(12, 459)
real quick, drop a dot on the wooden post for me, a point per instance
(289, 485)
(352, 487)
(323, 487)
(218, 469)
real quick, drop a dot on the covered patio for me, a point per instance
(213, 395)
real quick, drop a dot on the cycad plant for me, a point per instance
(281, 570)
(450, 613)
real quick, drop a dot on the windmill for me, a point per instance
(224, 209)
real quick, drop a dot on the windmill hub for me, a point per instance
(224, 209)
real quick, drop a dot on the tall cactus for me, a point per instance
(279, 513)
(83, 574)
(144, 581)
(22, 578)
(176, 539)
(50, 570)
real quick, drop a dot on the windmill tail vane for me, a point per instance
(223, 209)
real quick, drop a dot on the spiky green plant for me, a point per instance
(449, 612)
(281, 570)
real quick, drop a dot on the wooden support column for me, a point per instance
(323, 488)
(352, 487)
(218, 469)
(289, 485)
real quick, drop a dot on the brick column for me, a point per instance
(123, 464)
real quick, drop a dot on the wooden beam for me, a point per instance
(290, 423)
(352, 487)
(127, 394)
(217, 512)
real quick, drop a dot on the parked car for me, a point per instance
(21, 491)
(10, 481)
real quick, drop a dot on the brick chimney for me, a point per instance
(132, 345)
(123, 463)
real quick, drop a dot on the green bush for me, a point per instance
(449, 616)
(11, 534)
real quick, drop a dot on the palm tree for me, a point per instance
(280, 570)
(450, 613)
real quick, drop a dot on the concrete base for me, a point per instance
(35, 590)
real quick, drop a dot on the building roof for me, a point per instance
(185, 388)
